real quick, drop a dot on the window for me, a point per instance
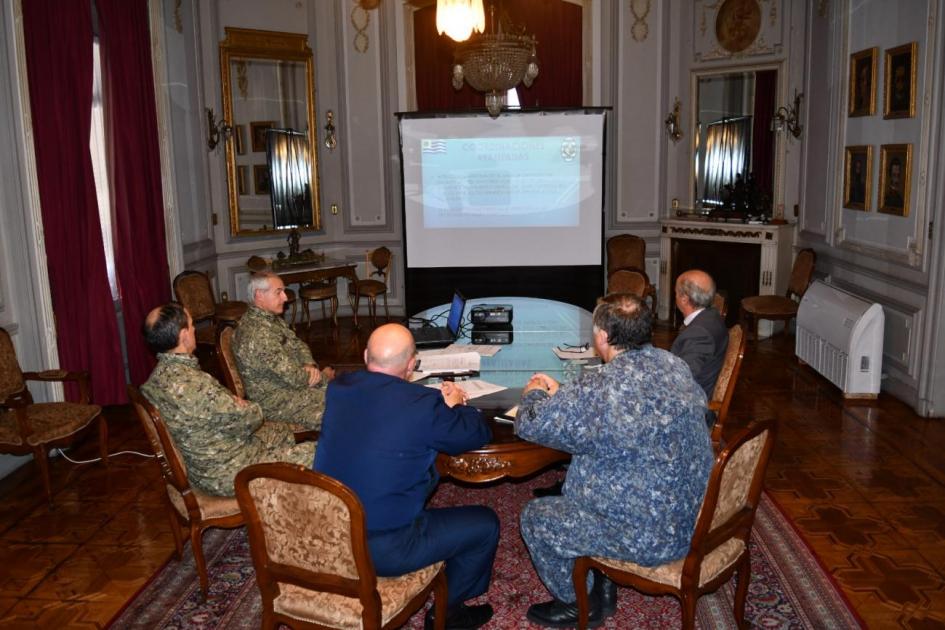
(100, 169)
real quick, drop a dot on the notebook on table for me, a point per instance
(441, 336)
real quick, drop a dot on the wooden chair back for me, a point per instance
(193, 290)
(380, 258)
(231, 374)
(728, 377)
(720, 304)
(627, 281)
(308, 539)
(802, 273)
(625, 251)
(173, 468)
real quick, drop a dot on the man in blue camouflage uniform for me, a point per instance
(276, 366)
(642, 458)
(216, 433)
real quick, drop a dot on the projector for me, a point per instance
(492, 337)
(490, 314)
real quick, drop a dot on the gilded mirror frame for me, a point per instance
(778, 159)
(243, 43)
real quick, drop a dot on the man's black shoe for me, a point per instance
(557, 614)
(554, 490)
(605, 591)
(462, 617)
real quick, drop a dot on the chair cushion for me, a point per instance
(368, 287)
(721, 558)
(318, 292)
(337, 611)
(767, 306)
(49, 421)
(210, 506)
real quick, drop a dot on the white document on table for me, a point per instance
(475, 387)
(437, 362)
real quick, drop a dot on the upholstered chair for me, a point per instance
(185, 505)
(780, 307)
(308, 542)
(193, 290)
(34, 428)
(725, 384)
(719, 545)
(632, 281)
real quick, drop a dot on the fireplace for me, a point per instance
(743, 259)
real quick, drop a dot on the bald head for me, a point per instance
(695, 289)
(390, 350)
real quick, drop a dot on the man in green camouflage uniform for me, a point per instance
(216, 433)
(276, 366)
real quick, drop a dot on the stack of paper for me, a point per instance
(567, 353)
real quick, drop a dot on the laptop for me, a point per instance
(440, 336)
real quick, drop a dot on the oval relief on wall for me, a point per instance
(737, 24)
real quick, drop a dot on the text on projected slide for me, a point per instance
(501, 182)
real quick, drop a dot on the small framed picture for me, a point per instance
(899, 82)
(241, 178)
(895, 175)
(261, 183)
(239, 138)
(862, 95)
(857, 173)
(257, 130)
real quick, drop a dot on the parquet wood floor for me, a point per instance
(863, 483)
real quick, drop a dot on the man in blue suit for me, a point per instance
(704, 339)
(380, 436)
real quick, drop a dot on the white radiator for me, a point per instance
(841, 336)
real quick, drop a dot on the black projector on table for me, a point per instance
(488, 315)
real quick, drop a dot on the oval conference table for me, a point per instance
(537, 327)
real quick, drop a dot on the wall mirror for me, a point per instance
(271, 160)
(734, 147)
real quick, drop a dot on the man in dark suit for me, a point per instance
(704, 339)
(380, 436)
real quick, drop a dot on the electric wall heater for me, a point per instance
(841, 336)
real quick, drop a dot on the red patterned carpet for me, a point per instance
(789, 588)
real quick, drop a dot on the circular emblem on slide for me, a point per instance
(569, 149)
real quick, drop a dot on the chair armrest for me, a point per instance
(82, 378)
(714, 406)
(310, 435)
(17, 403)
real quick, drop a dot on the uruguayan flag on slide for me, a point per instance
(433, 146)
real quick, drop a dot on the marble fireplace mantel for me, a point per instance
(775, 257)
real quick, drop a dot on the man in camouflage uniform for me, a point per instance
(642, 458)
(216, 433)
(276, 366)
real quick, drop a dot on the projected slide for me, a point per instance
(501, 182)
(522, 190)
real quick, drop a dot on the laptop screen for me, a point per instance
(456, 313)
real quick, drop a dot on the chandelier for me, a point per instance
(494, 63)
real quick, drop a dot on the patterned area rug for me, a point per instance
(789, 589)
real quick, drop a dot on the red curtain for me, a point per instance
(134, 169)
(556, 24)
(58, 37)
(762, 138)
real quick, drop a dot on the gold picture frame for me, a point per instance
(257, 131)
(899, 81)
(862, 92)
(262, 185)
(241, 177)
(895, 178)
(239, 137)
(857, 177)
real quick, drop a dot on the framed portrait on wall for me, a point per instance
(899, 82)
(261, 182)
(257, 131)
(857, 173)
(239, 137)
(862, 93)
(241, 179)
(895, 175)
